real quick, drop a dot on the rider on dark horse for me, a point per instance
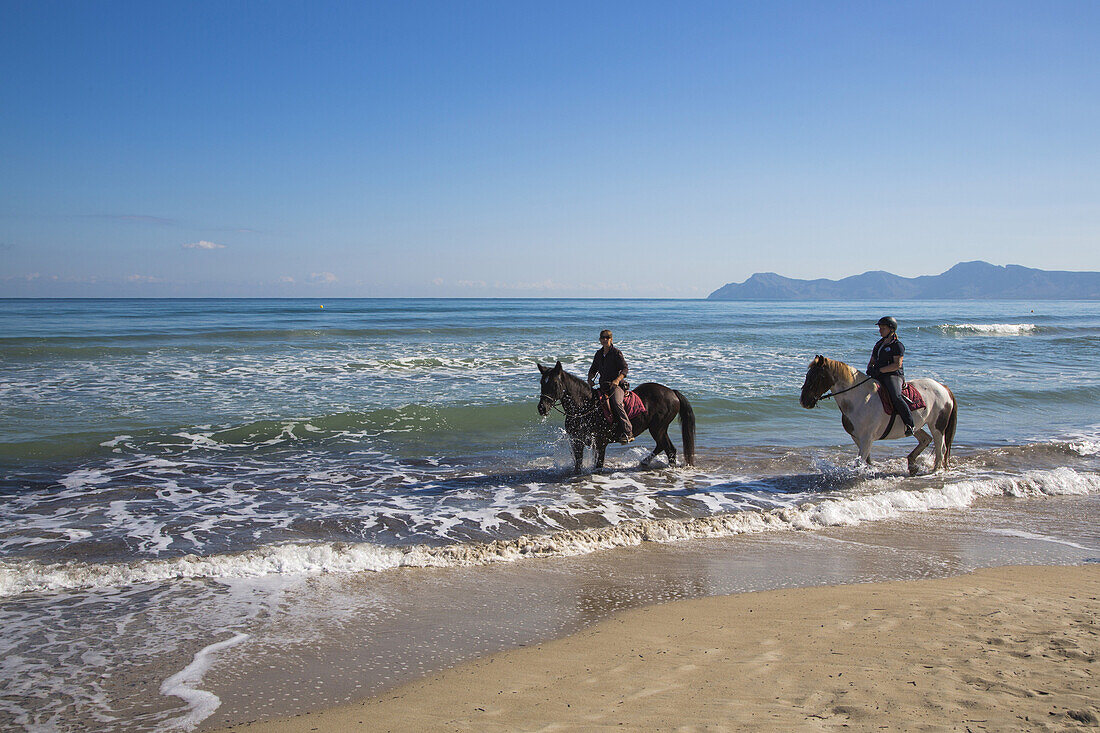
(885, 366)
(610, 365)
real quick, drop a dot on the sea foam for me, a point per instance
(995, 329)
(341, 557)
(201, 703)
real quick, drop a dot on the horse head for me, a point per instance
(553, 387)
(819, 380)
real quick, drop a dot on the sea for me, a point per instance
(172, 471)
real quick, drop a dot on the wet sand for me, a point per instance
(872, 627)
(997, 649)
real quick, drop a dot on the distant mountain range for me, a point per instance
(967, 280)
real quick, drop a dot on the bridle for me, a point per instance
(554, 405)
(829, 394)
(849, 389)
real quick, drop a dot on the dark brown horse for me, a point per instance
(585, 423)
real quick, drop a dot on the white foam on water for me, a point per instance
(997, 329)
(1085, 447)
(1086, 442)
(880, 502)
(84, 478)
(1040, 538)
(115, 441)
(201, 703)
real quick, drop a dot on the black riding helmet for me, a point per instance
(888, 321)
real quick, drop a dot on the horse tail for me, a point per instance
(949, 432)
(687, 428)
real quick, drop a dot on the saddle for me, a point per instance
(631, 401)
(909, 393)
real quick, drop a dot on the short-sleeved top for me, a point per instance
(608, 366)
(885, 351)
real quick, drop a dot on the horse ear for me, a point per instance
(542, 368)
(819, 359)
(557, 367)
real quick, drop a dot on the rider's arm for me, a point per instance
(622, 370)
(594, 368)
(892, 366)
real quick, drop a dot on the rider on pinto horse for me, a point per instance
(885, 366)
(610, 365)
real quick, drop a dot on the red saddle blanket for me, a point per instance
(909, 392)
(631, 401)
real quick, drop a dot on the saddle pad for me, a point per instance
(632, 403)
(909, 392)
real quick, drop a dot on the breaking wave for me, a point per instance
(342, 557)
(995, 329)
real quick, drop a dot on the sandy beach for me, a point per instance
(998, 649)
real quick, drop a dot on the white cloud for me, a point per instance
(203, 245)
(286, 279)
(322, 277)
(144, 279)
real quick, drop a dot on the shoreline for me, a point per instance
(401, 629)
(998, 648)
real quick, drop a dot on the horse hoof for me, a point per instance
(913, 468)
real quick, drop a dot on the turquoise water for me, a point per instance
(402, 422)
(79, 373)
(154, 453)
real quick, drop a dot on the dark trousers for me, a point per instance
(893, 384)
(618, 411)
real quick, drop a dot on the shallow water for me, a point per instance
(153, 451)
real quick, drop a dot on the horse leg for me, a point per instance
(578, 454)
(864, 446)
(941, 442)
(655, 433)
(923, 439)
(944, 432)
(601, 448)
(669, 447)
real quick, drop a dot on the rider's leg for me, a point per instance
(892, 383)
(618, 410)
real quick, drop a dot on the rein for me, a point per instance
(834, 394)
(579, 413)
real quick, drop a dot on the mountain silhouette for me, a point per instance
(965, 281)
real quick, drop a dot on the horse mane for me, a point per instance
(573, 379)
(839, 369)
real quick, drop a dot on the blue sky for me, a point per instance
(553, 149)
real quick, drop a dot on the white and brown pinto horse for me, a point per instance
(865, 420)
